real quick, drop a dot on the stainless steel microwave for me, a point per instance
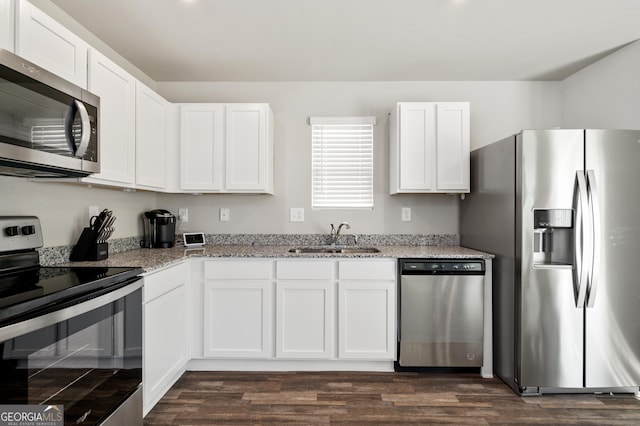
(48, 126)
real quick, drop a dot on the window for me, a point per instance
(342, 162)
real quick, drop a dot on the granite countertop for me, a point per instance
(151, 259)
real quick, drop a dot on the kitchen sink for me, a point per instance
(334, 250)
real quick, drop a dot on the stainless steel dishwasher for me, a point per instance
(441, 312)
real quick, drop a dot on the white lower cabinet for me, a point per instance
(165, 331)
(366, 312)
(238, 305)
(267, 315)
(298, 310)
(305, 309)
(305, 319)
(367, 309)
(239, 319)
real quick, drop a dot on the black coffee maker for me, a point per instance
(159, 229)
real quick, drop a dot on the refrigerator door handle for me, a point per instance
(594, 203)
(581, 238)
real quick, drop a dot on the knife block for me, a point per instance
(87, 248)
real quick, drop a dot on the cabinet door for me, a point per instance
(248, 151)
(116, 89)
(417, 146)
(366, 325)
(151, 167)
(45, 42)
(201, 147)
(6, 25)
(166, 344)
(453, 146)
(305, 313)
(238, 319)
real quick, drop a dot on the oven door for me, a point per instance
(86, 357)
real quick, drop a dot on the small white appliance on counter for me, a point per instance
(193, 239)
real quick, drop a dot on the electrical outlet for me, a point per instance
(406, 214)
(296, 214)
(224, 215)
(183, 215)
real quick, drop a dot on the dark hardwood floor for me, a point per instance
(219, 398)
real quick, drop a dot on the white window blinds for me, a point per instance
(342, 162)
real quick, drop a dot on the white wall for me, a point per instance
(497, 110)
(605, 94)
(63, 209)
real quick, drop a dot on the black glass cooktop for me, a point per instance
(38, 288)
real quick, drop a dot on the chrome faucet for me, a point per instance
(335, 233)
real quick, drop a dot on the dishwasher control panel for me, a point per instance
(416, 266)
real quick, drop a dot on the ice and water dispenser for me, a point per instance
(553, 236)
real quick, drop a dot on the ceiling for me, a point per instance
(359, 40)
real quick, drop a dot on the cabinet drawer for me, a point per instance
(305, 269)
(160, 282)
(367, 269)
(238, 270)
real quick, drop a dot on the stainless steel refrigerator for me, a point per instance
(560, 209)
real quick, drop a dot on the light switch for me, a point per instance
(224, 215)
(406, 214)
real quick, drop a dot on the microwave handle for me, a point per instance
(86, 129)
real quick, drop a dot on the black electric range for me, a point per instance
(37, 290)
(28, 289)
(70, 337)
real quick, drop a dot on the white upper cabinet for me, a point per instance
(116, 89)
(133, 121)
(45, 42)
(453, 147)
(6, 25)
(430, 144)
(201, 147)
(151, 141)
(249, 148)
(226, 148)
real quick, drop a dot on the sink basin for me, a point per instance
(334, 250)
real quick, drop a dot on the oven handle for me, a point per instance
(27, 326)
